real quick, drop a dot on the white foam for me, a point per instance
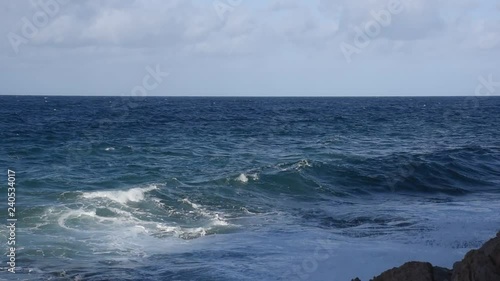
(219, 220)
(195, 206)
(109, 148)
(185, 233)
(75, 214)
(158, 202)
(242, 178)
(105, 223)
(246, 211)
(142, 228)
(303, 163)
(216, 219)
(121, 196)
(297, 166)
(254, 176)
(124, 219)
(122, 213)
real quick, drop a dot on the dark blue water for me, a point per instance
(112, 188)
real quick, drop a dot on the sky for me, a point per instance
(249, 47)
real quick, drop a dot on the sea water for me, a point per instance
(165, 188)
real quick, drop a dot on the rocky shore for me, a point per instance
(482, 264)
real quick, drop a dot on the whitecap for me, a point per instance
(158, 202)
(121, 196)
(242, 178)
(219, 220)
(296, 166)
(254, 176)
(303, 163)
(195, 206)
(215, 218)
(179, 232)
(246, 211)
(73, 214)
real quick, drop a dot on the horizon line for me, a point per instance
(246, 96)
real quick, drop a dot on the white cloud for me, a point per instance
(283, 5)
(281, 34)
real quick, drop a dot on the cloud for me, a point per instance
(283, 5)
(194, 26)
(291, 38)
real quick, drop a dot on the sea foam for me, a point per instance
(242, 178)
(121, 196)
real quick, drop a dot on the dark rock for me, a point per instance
(356, 279)
(480, 265)
(415, 271)
(441, 274)
(410, 271)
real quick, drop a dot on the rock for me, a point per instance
(356, 279)
(480, 265)
(441, 274)
(415, 271)
(410, 271)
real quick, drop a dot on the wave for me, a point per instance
(126, 221)
(244, 177)
(130, 195)
(455, 171)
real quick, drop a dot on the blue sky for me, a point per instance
(243, 47)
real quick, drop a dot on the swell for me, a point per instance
(456, 171)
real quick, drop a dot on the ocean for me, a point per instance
(245, 188)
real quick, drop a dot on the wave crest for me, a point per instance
(120, 196)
